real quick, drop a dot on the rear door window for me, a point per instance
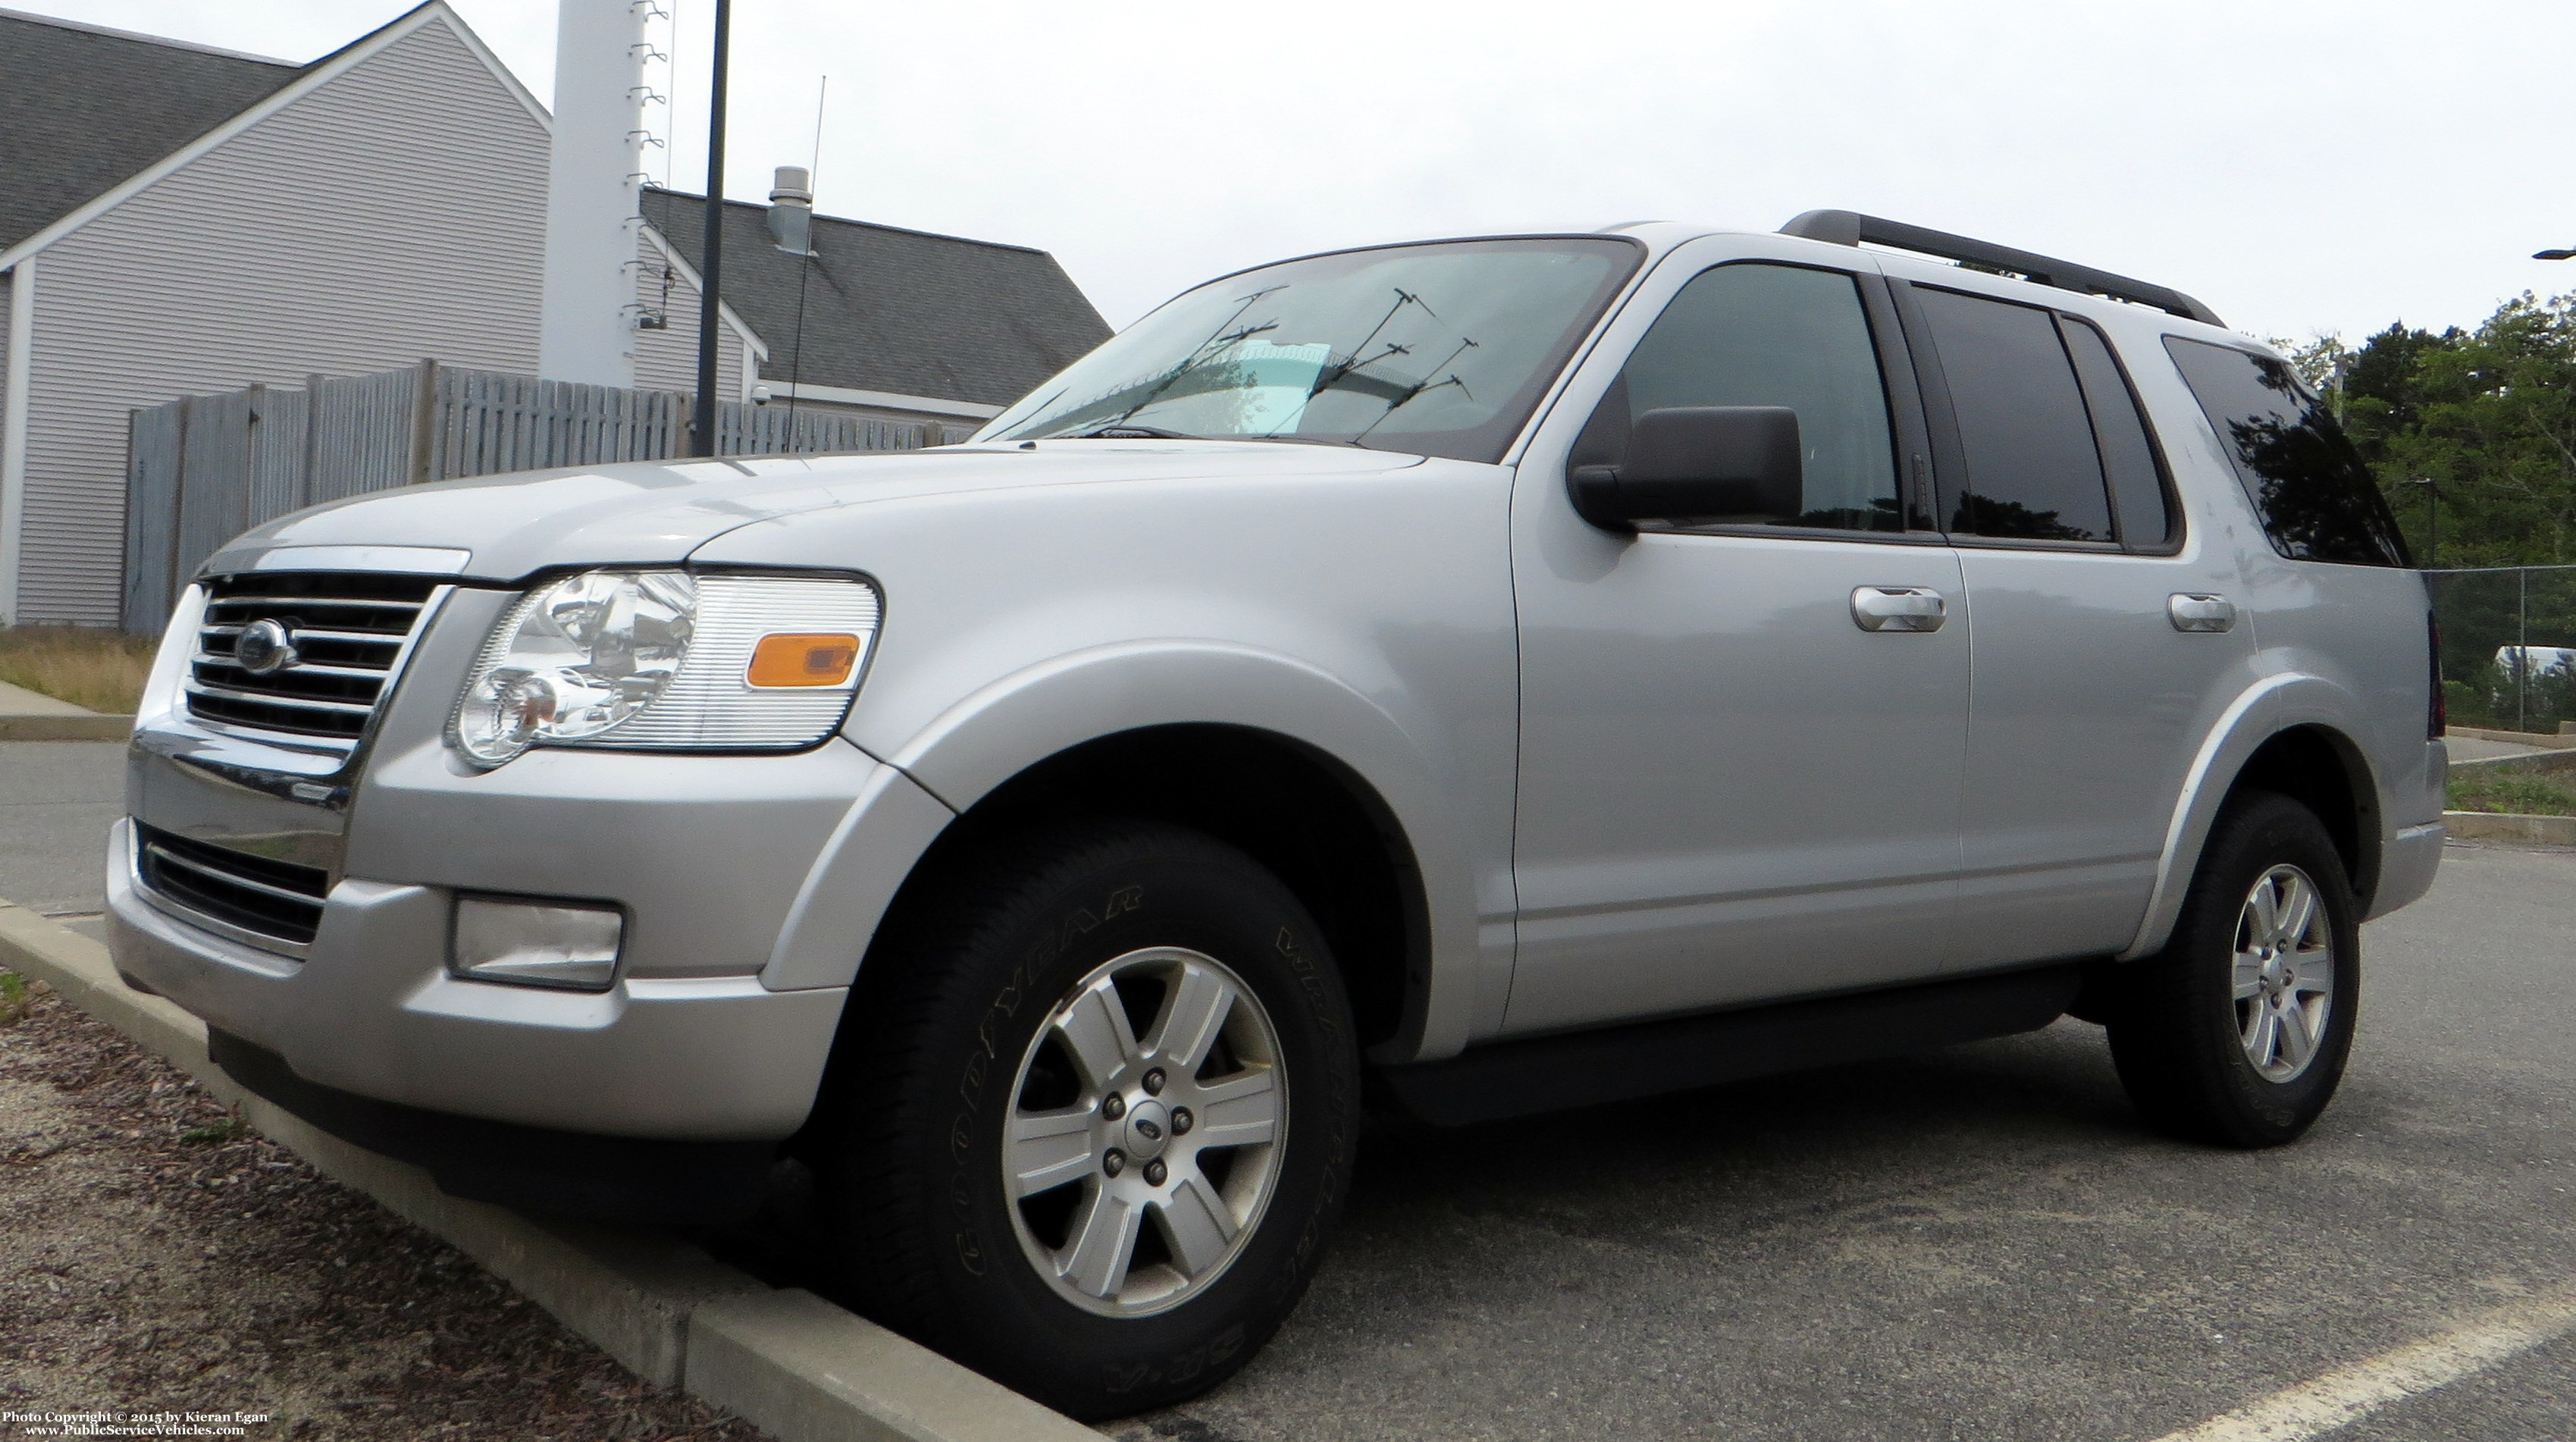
(2314, 492)
(2033, 472)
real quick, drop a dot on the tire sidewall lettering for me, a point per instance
(993, 1033)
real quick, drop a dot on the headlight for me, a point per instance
(667, 661)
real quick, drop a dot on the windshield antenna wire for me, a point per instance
(1190, 362)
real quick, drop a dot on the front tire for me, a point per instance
(1092, 1116)
(2237, 1033)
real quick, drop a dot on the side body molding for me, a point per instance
(1011, 723)
(2274, 704)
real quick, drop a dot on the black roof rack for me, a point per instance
(1844, 227)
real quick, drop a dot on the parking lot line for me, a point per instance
(2314, 1408)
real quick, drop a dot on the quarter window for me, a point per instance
(2312, 489)
(2033, 473)
(1771, 335)
(2138, 492)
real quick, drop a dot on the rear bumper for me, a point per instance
(373, 1011)
(2407, 867)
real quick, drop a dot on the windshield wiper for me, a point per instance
(1125, 432)
(1157, 433)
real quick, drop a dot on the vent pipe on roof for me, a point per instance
(586, 330)
(791, 210)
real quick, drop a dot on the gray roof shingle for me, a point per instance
(82, 109)
(894, 310)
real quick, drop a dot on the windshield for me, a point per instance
(1437, 349)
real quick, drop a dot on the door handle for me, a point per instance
(2195, 611)
(1898, 608)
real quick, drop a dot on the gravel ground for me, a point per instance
(159, 1258)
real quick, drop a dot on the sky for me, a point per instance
(2305, 168)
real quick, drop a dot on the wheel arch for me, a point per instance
(1306, 816)
(2324, 770)
(2294, 734)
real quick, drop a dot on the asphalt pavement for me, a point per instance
(57, 799)
(2476, 748)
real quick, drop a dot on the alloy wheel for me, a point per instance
(2284, 974)
(1145, 1130)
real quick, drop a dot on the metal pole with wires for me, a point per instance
(702, 423)
(2522, 649)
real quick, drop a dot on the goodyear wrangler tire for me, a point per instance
(1092, 1116)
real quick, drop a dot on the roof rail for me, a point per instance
(1844, 227)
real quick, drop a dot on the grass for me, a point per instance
(14, 1000)
(230, 1128)
(87, 666)
(2550, 795)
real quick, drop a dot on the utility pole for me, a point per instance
(702, 425)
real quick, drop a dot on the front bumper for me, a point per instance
(686, 1046)
(373, 1011)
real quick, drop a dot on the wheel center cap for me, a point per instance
(1149, 1129)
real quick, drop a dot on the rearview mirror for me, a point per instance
(1698, 463)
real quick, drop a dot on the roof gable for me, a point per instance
(106, 193)
(86, 108)
(900, 311)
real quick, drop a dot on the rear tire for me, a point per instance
(987, 1197)
(2237, 1033)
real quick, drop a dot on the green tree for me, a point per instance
(2491, 418)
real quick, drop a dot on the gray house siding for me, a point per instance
(8, 298)
(400, 203)
(666, 359)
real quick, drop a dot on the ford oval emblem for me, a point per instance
(264, 648)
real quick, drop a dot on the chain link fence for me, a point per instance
(2508, 646)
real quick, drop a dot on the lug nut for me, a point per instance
(1114, 1162)
(1113, 1106)
(1154, 1082)
(1155, 1171)
(1182, 1121)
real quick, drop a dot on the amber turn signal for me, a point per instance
(803, 660)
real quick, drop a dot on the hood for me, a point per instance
(657, 512)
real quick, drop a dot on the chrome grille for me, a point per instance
(279, 900)
(350, 633)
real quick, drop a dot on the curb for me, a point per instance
(787, 1361)
(2500, 826)
(86, 727)
(2537, 763)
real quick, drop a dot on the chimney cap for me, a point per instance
(793, 185)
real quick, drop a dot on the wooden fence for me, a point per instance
(201, 470)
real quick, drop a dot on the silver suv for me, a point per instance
(1513, 673)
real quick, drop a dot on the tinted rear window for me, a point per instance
(2032, 469)
(2317, 498)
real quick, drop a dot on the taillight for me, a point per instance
(2437, 712)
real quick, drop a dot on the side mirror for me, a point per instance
(1688, 462)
